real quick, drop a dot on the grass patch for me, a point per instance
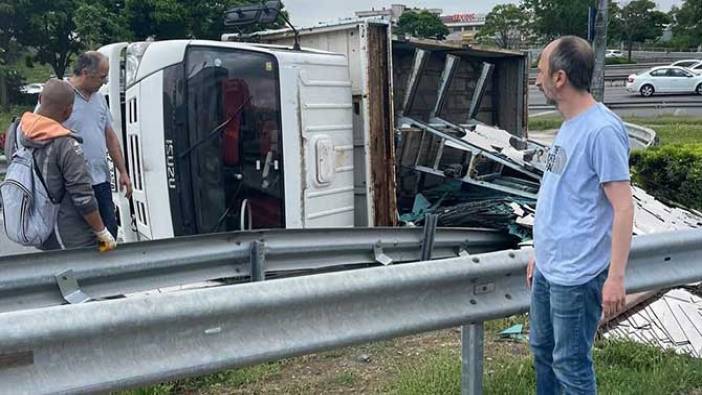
(622, 368)
(677, 133)
(215, 383)
(432, 374)
(344, 379)
(545, 123)
(670, 130)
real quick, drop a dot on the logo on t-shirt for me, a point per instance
(556, 160)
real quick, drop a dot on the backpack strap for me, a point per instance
(41, 178)
(34, 159)
(13, 129)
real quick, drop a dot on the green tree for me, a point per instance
(9, 48)
(422, 24)
(687, 28)
(48, 27)
(507, 25)
(640, 21)
(555, 18)
(172, 19)
(614, 28)
(59, 29)
(100, 22)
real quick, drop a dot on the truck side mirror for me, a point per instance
(253, 13)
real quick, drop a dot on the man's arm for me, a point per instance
(78, 186)
(115, 151)
(619, 196)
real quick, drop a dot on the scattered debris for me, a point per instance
(365, 358)
(672, 322)
(514, 332)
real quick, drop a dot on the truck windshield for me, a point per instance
(233, 106)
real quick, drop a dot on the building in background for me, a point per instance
(393, 13)
(463, 27)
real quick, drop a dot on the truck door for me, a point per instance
(235, 139)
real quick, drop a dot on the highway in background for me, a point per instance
(618, 94)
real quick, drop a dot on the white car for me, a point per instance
(696, 68)
(32, 89)
(613, 53)
(665, 79)
(685, 62)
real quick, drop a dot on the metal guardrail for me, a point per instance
(41, 279)
(131, 342)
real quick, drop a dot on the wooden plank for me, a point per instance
(382, 141)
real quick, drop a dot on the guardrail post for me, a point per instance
(430, 221)
(472, 337)
(258, 260)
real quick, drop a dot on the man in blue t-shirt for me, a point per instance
(583, 225)
(91, 119)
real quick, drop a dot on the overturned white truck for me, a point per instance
(348, 131)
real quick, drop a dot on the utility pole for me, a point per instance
(600, 46)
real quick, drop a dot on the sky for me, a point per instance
(310, 12)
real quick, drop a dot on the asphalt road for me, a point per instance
(616, 71)
(617, 94)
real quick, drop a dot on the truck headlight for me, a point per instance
(135, 52)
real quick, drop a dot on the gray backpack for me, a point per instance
(29, 211)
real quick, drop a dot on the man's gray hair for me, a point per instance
(88, 61)
(576, 58)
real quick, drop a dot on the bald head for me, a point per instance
(56, 100)
(574, 56)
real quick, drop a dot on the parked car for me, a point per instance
(613, 53)
(696, 68)
(665, 79)
(32, 89)
(686, 62)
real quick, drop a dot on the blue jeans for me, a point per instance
(563, 322)
(103, 195)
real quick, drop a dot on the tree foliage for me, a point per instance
(687, 23)
(9, 48)
(422, 24)
(172, 19)
(99, 22)
(507, 25)
(48, 27)
(56, 30)
(639, 21)
(555, 18)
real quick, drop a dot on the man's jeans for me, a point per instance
(103, 195)
(563, 322)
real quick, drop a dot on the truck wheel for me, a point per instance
(646, 90)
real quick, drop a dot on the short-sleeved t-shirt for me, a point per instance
(573, 224)
(90, 119)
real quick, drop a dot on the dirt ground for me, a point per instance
(364, 369)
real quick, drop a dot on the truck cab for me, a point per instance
(223, 136)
